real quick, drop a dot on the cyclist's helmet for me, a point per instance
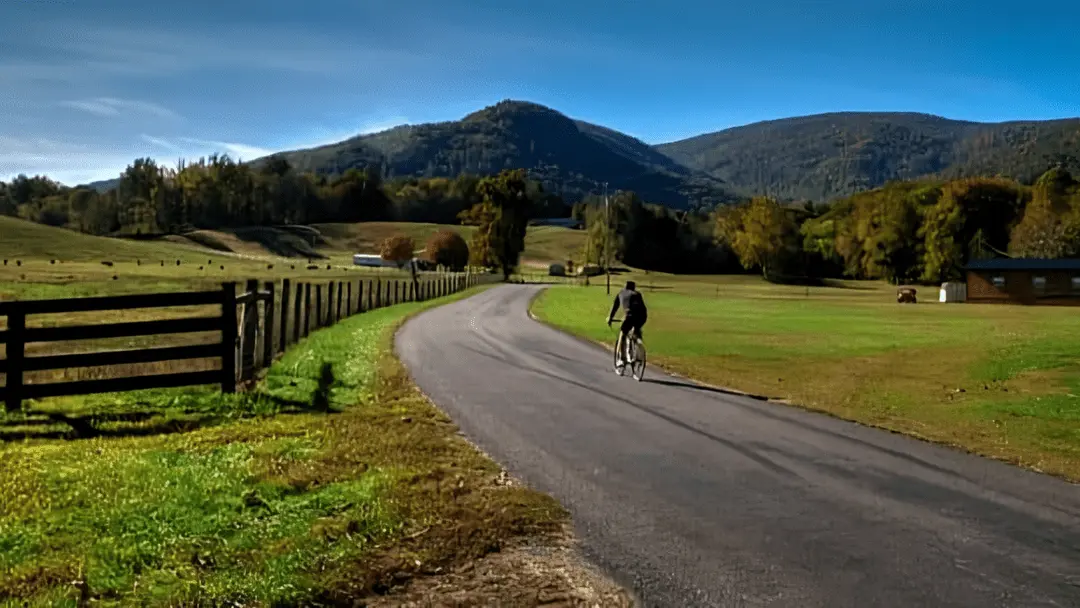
(631, 285)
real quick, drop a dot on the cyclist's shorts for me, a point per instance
(632, 323)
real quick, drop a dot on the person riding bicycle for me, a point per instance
(636, 314)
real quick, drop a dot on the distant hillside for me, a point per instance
(827, 155)
(818, 157)
(571, 158)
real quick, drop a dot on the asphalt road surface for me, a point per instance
(694, 497)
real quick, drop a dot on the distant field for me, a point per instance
(30, 251)
(1003, 381)
(542, 243)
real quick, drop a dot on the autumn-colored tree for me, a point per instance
(1050, 226)
(448, 248)
(397, 249)
(759, 233)
(501, 219)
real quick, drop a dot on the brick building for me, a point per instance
(1024, 281)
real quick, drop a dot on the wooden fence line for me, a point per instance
(255, 327)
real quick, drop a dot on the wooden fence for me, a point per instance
(254, 327)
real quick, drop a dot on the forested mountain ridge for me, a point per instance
(825, 156)
(570, 158)
(819, 157)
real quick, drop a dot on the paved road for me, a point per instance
(697, 498)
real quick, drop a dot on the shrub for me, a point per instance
(447, 248)
(398, 249)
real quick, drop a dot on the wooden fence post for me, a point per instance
(298, 312)
(268, 324)
(340, 293)
(307, 310)
(249, 331)
(16, 348)
(330, 319)
(397, 292)
(318, 306)
(228, 338)
(378, 294)
(348, 299)
(286, 293)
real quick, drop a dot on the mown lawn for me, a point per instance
(1003, 381)
(316, 488)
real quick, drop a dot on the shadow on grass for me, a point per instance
(145, 419)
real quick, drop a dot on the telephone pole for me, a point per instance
(607, 240)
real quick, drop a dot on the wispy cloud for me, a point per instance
(81, 51)
(67, 162)
(379, 126)
(159, 142)
(111, 106)
(242, 151)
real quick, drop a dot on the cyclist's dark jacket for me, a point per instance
(632, 302)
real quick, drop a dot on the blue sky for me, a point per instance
(91, 84)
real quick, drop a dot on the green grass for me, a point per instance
(264, 503)
(1002, 381)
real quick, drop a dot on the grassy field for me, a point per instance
(191, 497)
(43, 262)
(1002, 381)
(542, 243)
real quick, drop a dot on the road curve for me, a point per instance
(692, 497)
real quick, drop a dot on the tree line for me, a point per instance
(910, 231)
(916, 231)
(218, 192)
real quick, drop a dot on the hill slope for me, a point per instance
(827, 155)
(570, 157)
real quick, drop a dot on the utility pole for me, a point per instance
(607, 239)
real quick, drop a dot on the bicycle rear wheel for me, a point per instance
(620, 367)
(638, 369)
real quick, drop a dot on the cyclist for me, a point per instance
(636, 314)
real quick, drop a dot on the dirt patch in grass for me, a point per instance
(528, 572)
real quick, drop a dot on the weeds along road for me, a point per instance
(697, 498)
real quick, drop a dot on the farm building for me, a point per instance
(1024, 281)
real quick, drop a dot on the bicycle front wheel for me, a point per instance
(620, 367)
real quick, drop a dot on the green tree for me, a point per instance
(760, 233)
(969, 213)
(501, 219)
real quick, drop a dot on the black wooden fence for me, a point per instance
(254, 326)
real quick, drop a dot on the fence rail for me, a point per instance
(254, 326)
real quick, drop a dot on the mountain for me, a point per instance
(828, 155)
(103, 185)
(570, 157)
(817, 157)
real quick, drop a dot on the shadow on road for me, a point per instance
(707, 389)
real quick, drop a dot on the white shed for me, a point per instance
(953, 292)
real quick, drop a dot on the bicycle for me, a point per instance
(635, 355)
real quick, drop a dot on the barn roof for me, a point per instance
(1025, 264)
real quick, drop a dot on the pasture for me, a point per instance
(1002, 381)
(306, 489)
